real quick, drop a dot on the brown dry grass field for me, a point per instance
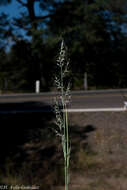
(98, 154)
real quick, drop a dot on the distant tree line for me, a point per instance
(95, 32)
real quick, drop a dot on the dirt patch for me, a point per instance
(105, 163)
(98, 154)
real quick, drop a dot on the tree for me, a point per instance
(5, 30)
(39, 62)
(93, 30)
(32, 24)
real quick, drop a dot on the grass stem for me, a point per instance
(62, 122)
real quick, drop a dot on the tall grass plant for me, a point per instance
(61, 103)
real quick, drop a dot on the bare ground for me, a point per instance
(98, 154)
(103, 165)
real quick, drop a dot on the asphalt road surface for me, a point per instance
(79, 100)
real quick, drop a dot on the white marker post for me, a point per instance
(37, 86)
(125, 105)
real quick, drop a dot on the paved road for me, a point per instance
(79, 100)
(98, 101)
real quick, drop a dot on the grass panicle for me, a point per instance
(61, 103)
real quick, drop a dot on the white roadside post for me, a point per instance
(37, 86)
(125, 105)
(85, 81)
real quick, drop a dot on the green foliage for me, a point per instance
(94, 34)
(5, 30)
(94, 31)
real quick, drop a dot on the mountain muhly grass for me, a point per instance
(61, 102)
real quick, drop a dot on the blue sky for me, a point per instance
(12, 9)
